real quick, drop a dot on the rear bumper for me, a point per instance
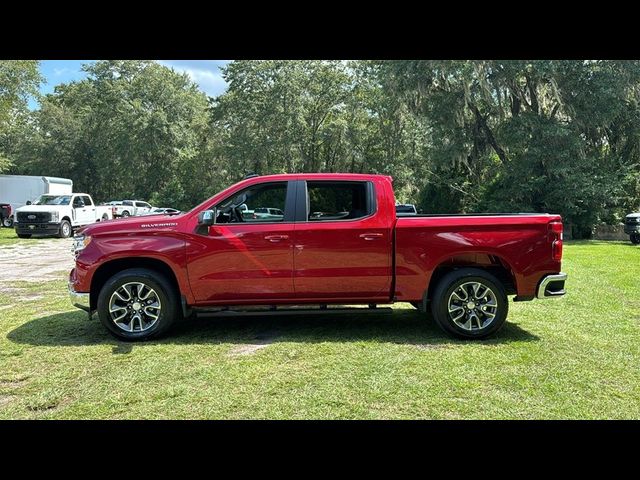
(552, 286)
(79, 299)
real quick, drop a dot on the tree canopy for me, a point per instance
(457, 136)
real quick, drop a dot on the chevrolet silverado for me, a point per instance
(337, 242)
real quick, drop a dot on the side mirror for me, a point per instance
(28, 202)
(208, 217)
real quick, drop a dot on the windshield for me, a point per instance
(53, 200)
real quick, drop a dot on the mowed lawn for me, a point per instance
(577, 357)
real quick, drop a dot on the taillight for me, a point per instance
(556, 246)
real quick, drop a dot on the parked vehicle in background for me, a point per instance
(130, 208)
(163, 211)
(632, 227)
(17, 190)
(268, 213)
(59, 215)
(143, 274)
(6, 215)
(403, 209)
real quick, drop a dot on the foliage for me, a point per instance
(457, 136)
(19, 80)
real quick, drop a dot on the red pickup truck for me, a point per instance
(333, 239)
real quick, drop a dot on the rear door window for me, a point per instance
(331, 201)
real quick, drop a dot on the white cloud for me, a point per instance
(61, 71)
(205, 73)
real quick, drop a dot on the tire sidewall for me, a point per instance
(62, 232)
(635, 238)
(162, 287)
(452, 281)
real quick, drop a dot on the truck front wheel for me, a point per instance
(138, 304)
(635, 238)
(65, 229)
(469, 303)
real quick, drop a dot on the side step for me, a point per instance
(284, 310)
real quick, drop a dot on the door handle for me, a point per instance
(371, 236)
(276, 238)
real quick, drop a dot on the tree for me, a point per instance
(19, 80)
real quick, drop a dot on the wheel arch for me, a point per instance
(110, 268)
(494, 264)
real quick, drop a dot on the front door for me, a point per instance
(246, 257)
(343, 249)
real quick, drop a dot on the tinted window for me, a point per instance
(337, 201)
(87, 200)
(260, 203)
(129, 203)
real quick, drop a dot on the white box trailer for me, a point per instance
(17, 190)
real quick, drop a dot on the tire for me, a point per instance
(23, 235)
(126, 213)
(476, 320)
(144, 326)
(635, 238)
(7, 222)
(105, 217)
(65, 229)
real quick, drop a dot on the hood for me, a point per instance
(40, 208)
(133, 225)
(633, 215)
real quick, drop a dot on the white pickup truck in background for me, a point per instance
(59, 215)
(130, 208)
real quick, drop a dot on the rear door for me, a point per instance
(343, 242)
(81, 212)
(242, 259)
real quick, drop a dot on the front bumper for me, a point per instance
(80, 300)
(44, 228)
(552, 286)
(632, 228)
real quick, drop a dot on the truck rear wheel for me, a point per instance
(138, 304)
(126, 213)
(635, 238)
(65, 229)
(470, 303)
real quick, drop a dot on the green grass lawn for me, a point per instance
(8, 236)
(577, 357)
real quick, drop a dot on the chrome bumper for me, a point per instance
(80, 300)
(552, 286)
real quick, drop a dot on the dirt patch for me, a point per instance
(35, 260)
(261, 341)
(13, 382)
(431, 346)
(4, 399)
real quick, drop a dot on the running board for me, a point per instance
(274, 310)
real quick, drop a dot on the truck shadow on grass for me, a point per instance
(403, 327)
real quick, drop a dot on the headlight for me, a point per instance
(80, 242)
(55, 217)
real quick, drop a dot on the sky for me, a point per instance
(205, 73)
